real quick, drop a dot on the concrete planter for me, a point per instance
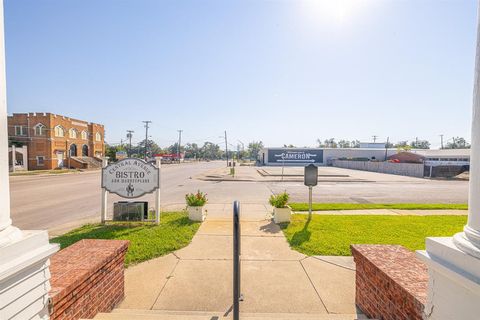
(282, 214)
(196, 213)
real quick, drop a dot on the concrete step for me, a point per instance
(133, 314)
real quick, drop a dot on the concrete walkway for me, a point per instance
(275, 279)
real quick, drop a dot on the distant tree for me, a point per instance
(320, 143)
(289, 146)
(420, 144)
(457, 143)
(111, 151)
(403, 146)
(152, 148)
(355, 144)
(254, 149)
(330, 143)
(344, 144)
(211, 151)
(191, 150)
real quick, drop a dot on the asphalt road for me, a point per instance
(62, 201)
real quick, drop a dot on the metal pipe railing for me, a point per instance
(236, 260)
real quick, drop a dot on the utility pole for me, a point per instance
(416, 142)
(226, 147)
(129, 137)
(179, 143)
(441, 141)
(374, 138)
(386, 148)
(147, 122)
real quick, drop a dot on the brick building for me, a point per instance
(56, 141)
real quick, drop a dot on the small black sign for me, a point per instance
(311, 175)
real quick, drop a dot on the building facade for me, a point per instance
(55, 141)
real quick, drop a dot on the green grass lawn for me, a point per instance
(363, 206)
(333, 234)
(147, 240)
(37, 172)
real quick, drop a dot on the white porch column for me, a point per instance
(454, 262)
(6, 230)
(469, 240)
(24, 255)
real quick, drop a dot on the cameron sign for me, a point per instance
(295, 156)
(130, 178)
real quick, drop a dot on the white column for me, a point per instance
(454, 262)
(469, 240)
(6, 230)
(24, 255)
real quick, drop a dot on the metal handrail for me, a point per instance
(236, 260)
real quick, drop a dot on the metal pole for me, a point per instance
(310, 200)
(146, 137)
(157, 193)
(179, 144)
(104, 194)
(236, 260)
(226, 147)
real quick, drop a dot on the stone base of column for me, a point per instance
(24, 274)
(454, 281)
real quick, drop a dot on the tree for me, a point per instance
(111, 151)
(403, 146)
(254, 149)
(355, 144)
(420, 144)
(152, 147)
(457, 143)
(211, 151)
(191, 150)
(343, 144)
(330, 143)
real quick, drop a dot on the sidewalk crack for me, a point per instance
(314, 288)
(168, 279)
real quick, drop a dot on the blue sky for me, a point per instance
(284, 72)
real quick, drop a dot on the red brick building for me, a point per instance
(56, 141)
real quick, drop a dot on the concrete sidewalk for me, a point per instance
(275, 279)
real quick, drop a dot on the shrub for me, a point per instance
(279, 200)
(196, 199)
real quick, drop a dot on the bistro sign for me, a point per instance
(130, 178)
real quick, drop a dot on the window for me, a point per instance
(40, 161)
(20, 130)
(73, 133)
(59, 131)
(40, 129)
(98, 136)
(84, 135)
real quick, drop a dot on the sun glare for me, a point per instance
(337, 10)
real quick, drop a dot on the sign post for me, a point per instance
(310, 180)
(158, 161)
(104, 193)
(130, 178)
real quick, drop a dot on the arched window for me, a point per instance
(59, 131)
(40, 129)
(73, 133)
(84, 135)
(98, 136)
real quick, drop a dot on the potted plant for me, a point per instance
(196, 205)
(281, 211)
